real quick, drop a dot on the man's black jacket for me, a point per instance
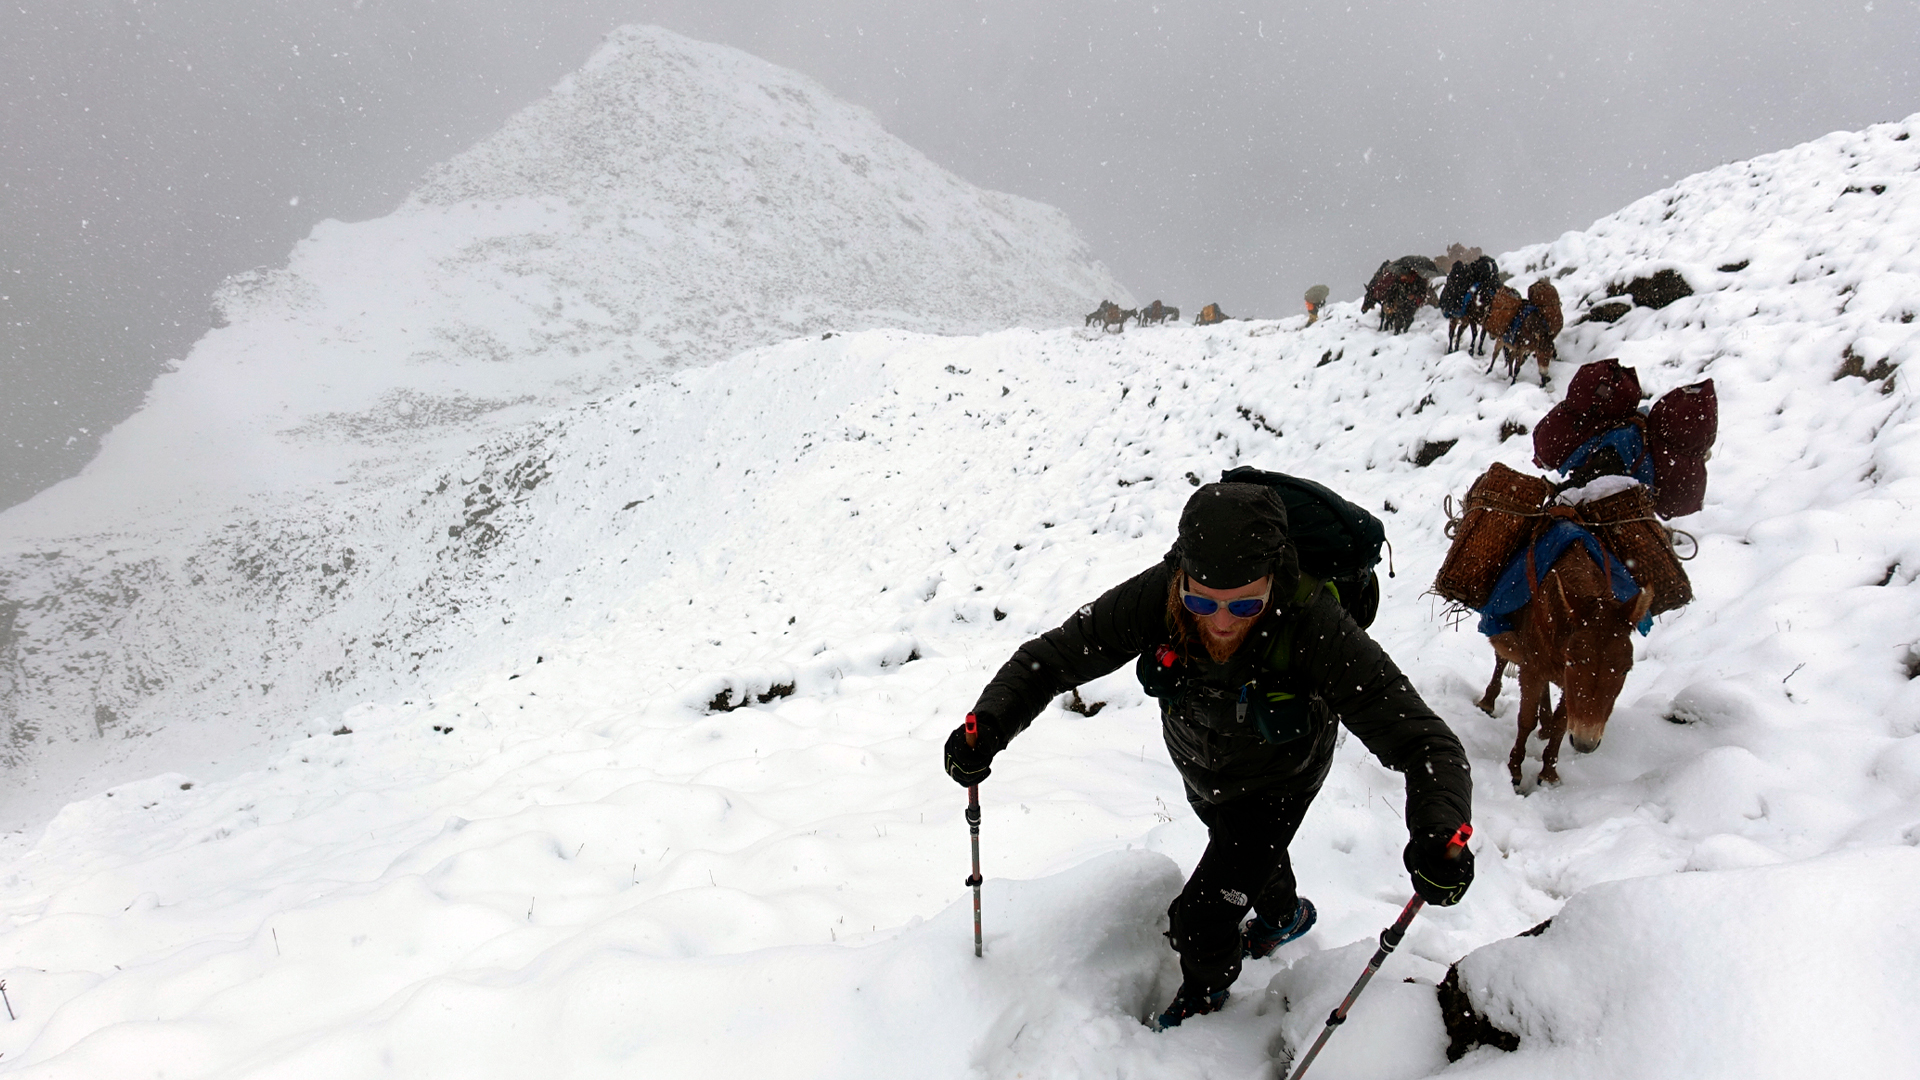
(1334, 662)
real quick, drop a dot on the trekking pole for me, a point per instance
(1389, 941)
(973, 827)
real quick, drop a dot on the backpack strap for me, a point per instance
(1280, 655)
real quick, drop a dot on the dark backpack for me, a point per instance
(1339, 545)
(1338, 542)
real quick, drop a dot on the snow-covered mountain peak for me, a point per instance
(665, 207)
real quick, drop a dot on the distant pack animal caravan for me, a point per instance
(1156, 313)
(1111, 317)
(1210, 315)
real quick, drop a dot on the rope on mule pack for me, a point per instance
(1454, 519)
(1569, 513)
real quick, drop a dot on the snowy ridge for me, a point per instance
(700, 798)
(669, 205)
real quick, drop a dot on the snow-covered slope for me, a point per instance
(665, 207)
(683, 815)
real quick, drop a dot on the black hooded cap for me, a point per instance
(1233, 534)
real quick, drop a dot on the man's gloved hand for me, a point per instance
(1438, 879)
(968, 765)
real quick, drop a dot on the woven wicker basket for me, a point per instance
(1626, 525)
(1503, 509)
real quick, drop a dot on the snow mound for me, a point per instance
(1799, 970)
(645, 695)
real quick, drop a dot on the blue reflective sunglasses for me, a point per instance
(1240, 609)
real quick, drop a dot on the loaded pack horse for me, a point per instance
(1465, 301)
(1573, 634)
(1523, 327)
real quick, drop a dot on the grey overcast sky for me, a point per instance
(1209, 151)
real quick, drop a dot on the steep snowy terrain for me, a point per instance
(665, 207)
(687, 818)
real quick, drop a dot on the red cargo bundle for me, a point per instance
(1600, 397)
(1681, 428)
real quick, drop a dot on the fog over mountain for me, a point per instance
(1212, 151)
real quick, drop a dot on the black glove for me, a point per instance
(1438, 879)
(968, 765)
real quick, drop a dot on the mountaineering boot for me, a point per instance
(1187, 1004)
(1259, 937)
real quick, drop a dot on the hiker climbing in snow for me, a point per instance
(1252, 661)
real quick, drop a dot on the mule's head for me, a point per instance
(1599, 654)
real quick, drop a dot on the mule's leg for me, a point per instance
(1553, 732)
(1529, 717)
(1493, 361)
(1541, 359)
(1493, 685)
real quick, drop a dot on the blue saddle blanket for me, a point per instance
(1626, 442)
(1512, 592)
(1460, 310)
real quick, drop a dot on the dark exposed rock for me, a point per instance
(1083, 706)
(1855, 365)
(1612, 311)
(731, 697)
(1466, 1027)
(1655, 292)
(1429, 452)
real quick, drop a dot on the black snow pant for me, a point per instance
(1245, 866)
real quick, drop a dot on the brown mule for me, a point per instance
(1574, 635)
(1539, 320)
